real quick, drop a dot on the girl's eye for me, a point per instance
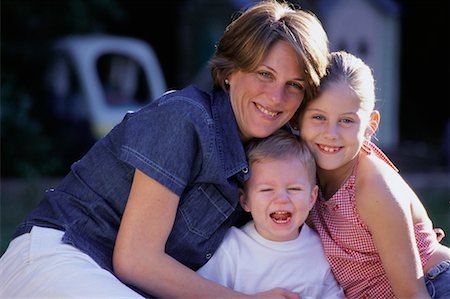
(347, 121)
(295, 189)
(266, 190)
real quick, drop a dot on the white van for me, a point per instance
(93, 80)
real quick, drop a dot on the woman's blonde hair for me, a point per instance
(248, 39)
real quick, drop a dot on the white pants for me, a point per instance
(39, 265)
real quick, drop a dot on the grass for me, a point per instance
(17, 199)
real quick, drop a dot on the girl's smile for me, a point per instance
(333, 125)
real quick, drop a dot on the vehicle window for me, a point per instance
(123, 80)
(63, 90)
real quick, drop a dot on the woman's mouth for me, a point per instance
(266, 111)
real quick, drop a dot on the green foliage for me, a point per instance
(22, 136)
(437, 204)
(28, 28)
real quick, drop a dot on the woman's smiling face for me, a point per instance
(266, 99)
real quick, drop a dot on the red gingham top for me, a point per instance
(348, 243)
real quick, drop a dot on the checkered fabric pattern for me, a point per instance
(349, 246)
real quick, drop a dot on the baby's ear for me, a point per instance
(243, 200)
(314, 194)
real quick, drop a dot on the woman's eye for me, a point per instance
(318, 117)
(264, 74)
(297, 86)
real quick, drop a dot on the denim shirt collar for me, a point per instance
(227, 136)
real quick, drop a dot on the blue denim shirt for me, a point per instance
(188, 141)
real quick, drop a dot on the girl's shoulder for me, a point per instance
(372, 171)
(378, 181)
(375, 167)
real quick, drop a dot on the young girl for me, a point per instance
(376, 233)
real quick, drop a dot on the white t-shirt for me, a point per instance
(249, 263)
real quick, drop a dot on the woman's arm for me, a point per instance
(139, 258)
(384, 204)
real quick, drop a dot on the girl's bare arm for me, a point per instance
(384, 203)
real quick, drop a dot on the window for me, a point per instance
(123, 80)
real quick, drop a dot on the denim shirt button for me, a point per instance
(208, 256)
(245, 170)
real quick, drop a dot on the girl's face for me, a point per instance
(279, 195)
(333, 125)
(264, 100)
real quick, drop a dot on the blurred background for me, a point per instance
(71, 69)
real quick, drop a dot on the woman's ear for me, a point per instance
(243, 200)
(374, 121)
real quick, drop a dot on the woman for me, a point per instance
(151, 201)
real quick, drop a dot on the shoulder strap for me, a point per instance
(369, 147)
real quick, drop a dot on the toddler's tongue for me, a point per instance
(281, 216)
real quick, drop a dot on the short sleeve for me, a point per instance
(166, 141)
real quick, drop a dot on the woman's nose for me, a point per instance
(277, 94)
